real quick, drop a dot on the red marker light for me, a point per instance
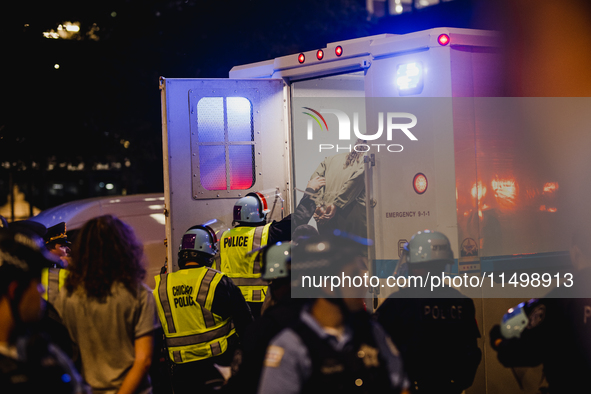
(320, 54)
(338, 50)
(420, 183)
(301, 58)
(263, 200)
(443, 39)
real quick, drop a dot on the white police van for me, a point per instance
(448, 154)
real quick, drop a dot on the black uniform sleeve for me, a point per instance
(52, 325)
(281, 231)
(229, 301)
(304, 210)
(468, 347)
(436, 337)
(527, 350)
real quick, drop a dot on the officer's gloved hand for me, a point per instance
(495, 336)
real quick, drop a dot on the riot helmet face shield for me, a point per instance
(200, 243)
(237, 217)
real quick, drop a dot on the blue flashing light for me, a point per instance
(409, 78)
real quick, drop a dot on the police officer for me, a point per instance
(554, 331)
(56, 240)
(436, 332)
(284, 310)
(52, 279)
(201, 312)
(28, 362)
(252, 232)
(334, 346)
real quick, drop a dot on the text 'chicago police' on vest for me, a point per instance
(182, 296)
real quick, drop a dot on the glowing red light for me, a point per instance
(443, 39)
(338, 50)
(505, 191)
(550, 187)
(420, 183)
(263, 200)
(320, 54)
(301, 58)
(478, 190)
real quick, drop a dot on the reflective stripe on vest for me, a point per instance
(245, 271)
(202, 298)
(249, 282)
(163, 296)
(199, 338)
(184, 300)
(258, 236)
(52, 280)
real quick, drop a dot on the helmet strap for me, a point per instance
(191, 255)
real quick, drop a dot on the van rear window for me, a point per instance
(225, 140)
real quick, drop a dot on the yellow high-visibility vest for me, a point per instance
(244, 272)
(53, 280)
(184, 299)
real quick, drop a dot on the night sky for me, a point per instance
(102, 105)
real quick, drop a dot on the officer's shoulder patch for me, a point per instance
(274, 356)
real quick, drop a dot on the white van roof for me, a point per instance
(76, 213)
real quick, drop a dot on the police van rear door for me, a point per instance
(222, 138)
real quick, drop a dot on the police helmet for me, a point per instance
(303, 232)
(199, 243)
(275, 260)
(334, 256)
(251, 209)
(514, 322)
(428, 247)
(525, 315)
(326, 254)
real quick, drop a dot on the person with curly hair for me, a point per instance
(108, 310)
